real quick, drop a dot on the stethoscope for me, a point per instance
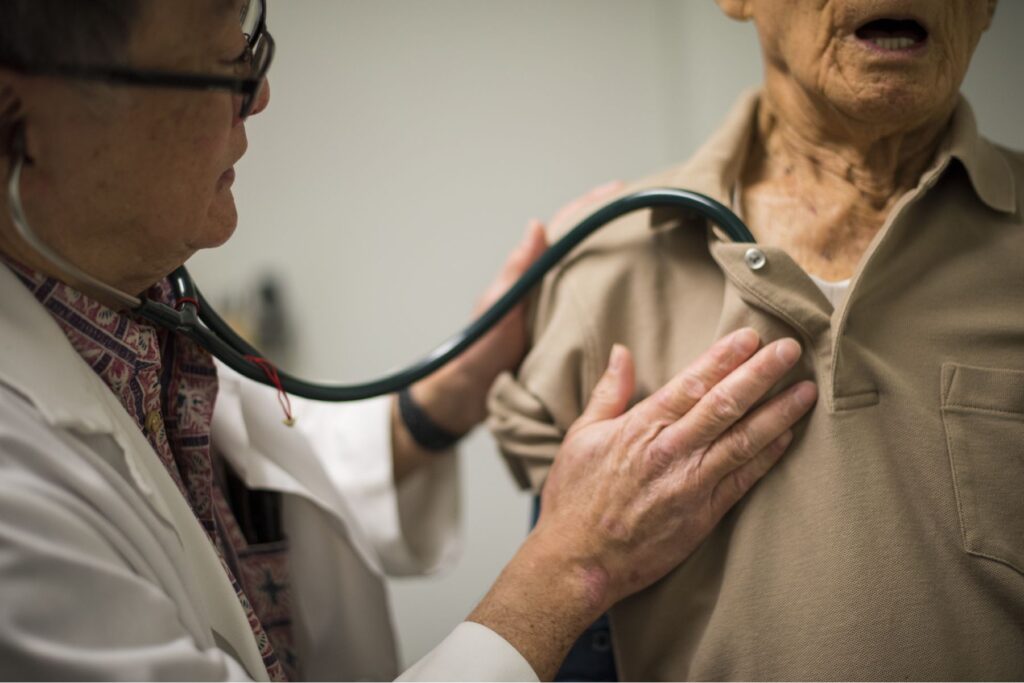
(196, 318)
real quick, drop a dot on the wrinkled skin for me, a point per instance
(845, 128)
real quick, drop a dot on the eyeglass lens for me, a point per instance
(251, 18)
(260, 64)
(262, 46)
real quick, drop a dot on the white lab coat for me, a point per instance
(105, 572)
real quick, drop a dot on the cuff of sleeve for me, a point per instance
(525, 431)
(472, 652)
(413, 527)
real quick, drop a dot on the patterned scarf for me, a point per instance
(168, 385)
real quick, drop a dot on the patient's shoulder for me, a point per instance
(637, 250)
(630, 224)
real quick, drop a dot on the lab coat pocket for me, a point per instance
(983, 415)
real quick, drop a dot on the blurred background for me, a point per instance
(407, 144)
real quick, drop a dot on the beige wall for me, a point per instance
(407, 144)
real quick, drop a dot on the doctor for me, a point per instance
(158, 520)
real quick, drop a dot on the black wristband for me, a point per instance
(424, 432)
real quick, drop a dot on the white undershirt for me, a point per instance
(835, 292)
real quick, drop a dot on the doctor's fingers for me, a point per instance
(674, 400)
(737, 483)
(529, 249)
(744, 453)
(532, 246)
(730, 399)
(591, 199)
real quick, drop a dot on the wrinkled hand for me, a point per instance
(632, 494)
(456, 396)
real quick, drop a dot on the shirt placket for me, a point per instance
(768, 279)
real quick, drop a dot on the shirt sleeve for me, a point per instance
(73, 606)
(472, 652)
(531, 411)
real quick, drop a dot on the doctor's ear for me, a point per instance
(740, 10)
(12, 135)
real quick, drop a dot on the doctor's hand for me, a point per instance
(633, 493)
(455, 397)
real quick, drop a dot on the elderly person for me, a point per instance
(889, 544)
(158, 519)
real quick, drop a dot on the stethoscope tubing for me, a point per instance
(196, 318)
(220, 340)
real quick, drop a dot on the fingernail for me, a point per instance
(782, 443)
(745, 341)
(806, 394)
(615, 360)
(788, 351)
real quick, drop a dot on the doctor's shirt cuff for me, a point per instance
(472, 652)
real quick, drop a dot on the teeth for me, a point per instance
(893, 43)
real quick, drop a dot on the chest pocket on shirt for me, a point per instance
(983, 415)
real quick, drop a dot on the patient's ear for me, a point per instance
(740, 10)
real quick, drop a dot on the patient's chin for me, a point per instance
(891, 104)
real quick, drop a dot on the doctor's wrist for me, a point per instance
(542, 602)
(453, 401)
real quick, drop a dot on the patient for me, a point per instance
(889, 544)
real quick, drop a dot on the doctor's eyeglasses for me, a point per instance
(255, 62)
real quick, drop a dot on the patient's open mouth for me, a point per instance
(893, 35)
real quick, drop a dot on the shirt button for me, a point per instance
(153, 422)
(755, 258)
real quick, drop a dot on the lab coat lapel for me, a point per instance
(285, 459)
(216, 594)
(37, 361)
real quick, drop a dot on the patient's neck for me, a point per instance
(821, 187)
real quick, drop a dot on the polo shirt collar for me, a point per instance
(717, 165)
(988, 169)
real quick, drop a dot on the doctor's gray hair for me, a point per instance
(65, 31)
(55, 32)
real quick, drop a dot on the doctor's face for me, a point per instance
(129, 181)
(885, 62)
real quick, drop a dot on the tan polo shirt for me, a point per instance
(889, 542)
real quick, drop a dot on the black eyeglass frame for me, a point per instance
(249, 88)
